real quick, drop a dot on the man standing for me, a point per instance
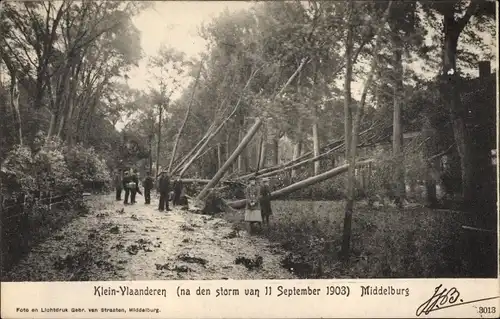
(127, 179)
(148, 185)
(164, 188)
(134, 186)
(117, 181)
(265, 201)
(177, 186)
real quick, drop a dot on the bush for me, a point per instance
(17, 171)
(389, 243)
(86, 165)
(54, 168)
(25, 175)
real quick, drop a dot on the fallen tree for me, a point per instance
(304, 183)
(333, 147)
(205, 181)
(172, 156)
(180, 164)
(220, 173)
(217, 130)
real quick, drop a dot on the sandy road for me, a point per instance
(117, 242)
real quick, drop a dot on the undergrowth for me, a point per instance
(386, 242)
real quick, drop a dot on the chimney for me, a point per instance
(484, 69)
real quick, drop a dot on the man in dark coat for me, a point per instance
(127, 179)
(117, 180)
(265, 201)
(134, 189)
(164, 189)
(177, 186)
(148, 185)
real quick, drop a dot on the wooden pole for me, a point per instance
(231, 159)
(304, 183)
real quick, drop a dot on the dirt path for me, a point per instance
(116, 242)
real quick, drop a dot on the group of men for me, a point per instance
(129, 182)
(258, 194)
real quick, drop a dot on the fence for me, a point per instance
(27, 218)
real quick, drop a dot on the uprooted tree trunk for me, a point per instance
(217, 177)
(174, 150)
(303, 160)
(217, 130)
(304, 183)
(262, 150)
(240, 137)
(205, 181)
(308, 161)
(194, 149)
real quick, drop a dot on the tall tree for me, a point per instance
(352, 119)
(456, 16)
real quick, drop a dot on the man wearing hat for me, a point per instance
(265, 201)
(127, 181)
(148, 185)
(117, 181)
(178, 187)
(164, 189)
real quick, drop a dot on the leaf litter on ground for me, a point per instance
(125, 255)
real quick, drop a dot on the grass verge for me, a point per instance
(386, 242)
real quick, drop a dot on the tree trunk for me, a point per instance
(276, 148)
(315, 100)
(231, 159)
(330, 147)
(346, 234)
(262, 151)
(352, 145)
(431, 165)
(297, 149)
(457, 110)
(236, 107)
(304, 183)
(194, 149)
(240, 157)
(52, 124)
(397, 134)
(150, 155)
(243, 158)
(60, 97)
(315, 143)
(61, 126)
(219, 156)
(14, 101)
(159, 138)
(172, 157)
(72, 105)
(301, 163)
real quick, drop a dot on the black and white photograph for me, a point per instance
(235, 140)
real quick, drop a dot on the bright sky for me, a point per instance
(175, 23)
